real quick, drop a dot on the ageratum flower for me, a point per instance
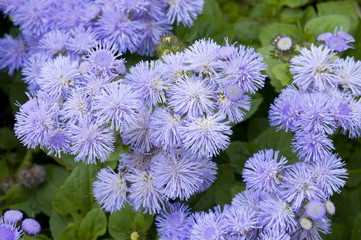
(31, 226)
(148, 79)
(143, 194)
(286, 109)
(81, 40)
(173, 222)
(298, 186)
(9, 231)
(34, 121)
(329, 174)
(233, 104)
(348, 74)
(32, 67)
(241, 221)
(184, 11)
(338, 41)
(110, 190)
(164, 128)
(77, 106)
(208, 226)
(58, 76)
(272, 235)
(179, 173)
(263, 171)
(118, 104)
(315, 209)
(12, 53)
(202, 57)
(54, 42)
(313, 69)
(13, 216)
(91, 141)
(244, 70)
(313, 233)
(115, 26)
(206, 136)
(58, 141)
(193, 96)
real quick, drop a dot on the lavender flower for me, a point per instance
(338, 41)
(241, 221)
(54, 42)
(263, 171)
(110, 190)
(348, 74)
(12, 53)
(313, 68)
(31, 226)
(315, 209)
(184, 11)
(206, 136)
(13, 216)
(9, 231)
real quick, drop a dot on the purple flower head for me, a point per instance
(115, 26)
(32, 67)
(248, 198)
(202, 57)
(33, 17)
(241, 221)
(348, 72)
(137, 135)
(110, 190)
(118, 104)
(143, 194)
(137, 6)
(311, 146)
(276, 215)
(173, 222)
(193, 96)
(13, 216)
(31, 226)
(313, 68)
(179, 173)
(34, 121)
(81, 40)
(315, 113)
(226, 52)
(148, 79)
(12, 53)
(9, 231)
(244, 69)
(8, 7)
(58, 76)
(234, 110)
(77, 106)
(338, 41)
(175, 66)
(329, 174)
(91, 141)
(91, 11)
(298, 186)
(206, 136)
(315, 209)
(263, 171)
(103, 58)
(94, 84)
(208, 226)
(164, 128)
(286, 109)
(54, 42)
(58, 141)
(184, 11)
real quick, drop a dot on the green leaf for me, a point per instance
(294, 3)
(279, 141)
(122, 223)
(58, 224)
(307, 15)
(21, 198)
(328, 23)
(347, 8)
(67, 161)
(8, 140)
(256, 100)
(247, 30)
(238, 152)
(36, 237)
(282, 73)
(45, 194)
(75, 196)
(211, 8)
(291, 15)
(4, 170)
(356, 231)
(266, 53)
(94, 224)
(71, 232)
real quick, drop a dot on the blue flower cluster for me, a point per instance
(281, 202)
(186, 101)
(323, 97)
(338, 41)
(73, 27)
(10, 230)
